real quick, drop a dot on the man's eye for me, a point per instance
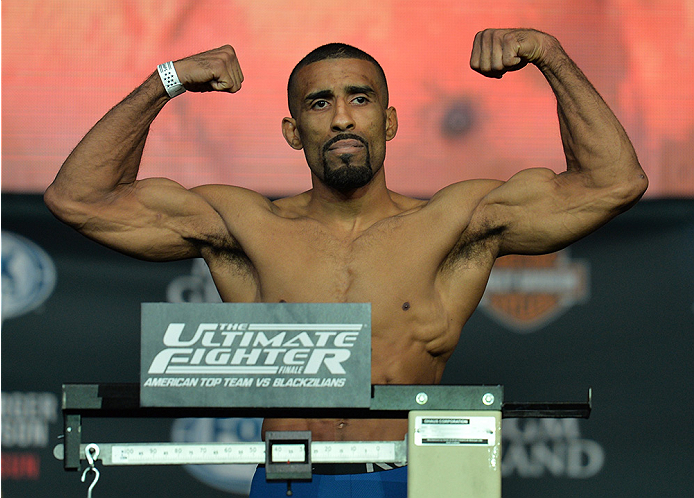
(360, 100)
(320, 104)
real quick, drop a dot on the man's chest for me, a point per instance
(399, 258)
(319, 265)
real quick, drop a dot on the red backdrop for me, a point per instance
(66, 62)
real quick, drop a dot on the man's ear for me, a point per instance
(291, 133)
(391, 123)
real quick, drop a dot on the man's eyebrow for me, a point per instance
(353, 89)
(320, 94)
(350, 90)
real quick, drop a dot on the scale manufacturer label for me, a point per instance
(455, 431)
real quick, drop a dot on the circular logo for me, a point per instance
(231, 478)
(28, 275)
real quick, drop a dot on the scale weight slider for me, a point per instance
(288, 455)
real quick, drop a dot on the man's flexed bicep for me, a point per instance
(96, 190)
(538, 211)
(154, 219)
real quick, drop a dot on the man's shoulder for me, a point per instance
(464, 194)
(224, 197)
(468, 192)
(406, 204)
(291, 206)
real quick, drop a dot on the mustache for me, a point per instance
(343, 136)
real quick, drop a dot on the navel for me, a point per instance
(282, 301)
(406, 306)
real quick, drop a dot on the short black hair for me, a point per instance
(331, 51)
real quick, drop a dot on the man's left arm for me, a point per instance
(537, 210)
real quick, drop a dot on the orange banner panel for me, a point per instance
(66, 62)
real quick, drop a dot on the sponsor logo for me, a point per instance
(243, 348)
(28, 275)
(535, 448)
(256, 348)
(525, 293)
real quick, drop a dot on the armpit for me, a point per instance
(227, 253)
(477, 244)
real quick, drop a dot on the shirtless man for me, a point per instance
(423, 265)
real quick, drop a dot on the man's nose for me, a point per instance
(342, 118)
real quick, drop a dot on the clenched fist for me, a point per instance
(497, 51)
(216, 70)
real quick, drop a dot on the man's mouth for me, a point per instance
(345, 144)
(349, 146)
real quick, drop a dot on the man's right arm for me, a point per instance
(97, 192)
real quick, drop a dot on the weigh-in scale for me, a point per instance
(294, 361)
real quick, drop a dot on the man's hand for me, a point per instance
(216, 70)
(497, 51)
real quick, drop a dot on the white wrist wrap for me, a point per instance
(168, 76)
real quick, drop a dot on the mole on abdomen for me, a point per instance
(406, 306)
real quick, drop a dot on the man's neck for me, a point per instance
(355, 210)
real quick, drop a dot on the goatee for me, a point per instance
(348, 176)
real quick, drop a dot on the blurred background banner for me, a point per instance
(613, 312)
(66, 62)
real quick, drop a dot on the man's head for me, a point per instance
(330, 51)
(338, 100)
